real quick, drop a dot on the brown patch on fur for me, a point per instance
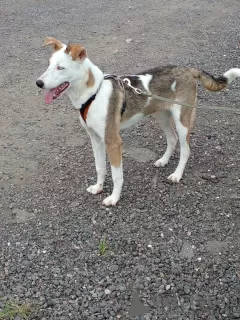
(56, 44)
(114, 151)
(188, 137)
(113, 140)
(208, 81)
(76, 51)
(91, 80)
(187, 116)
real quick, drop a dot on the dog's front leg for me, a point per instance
(99, 151)
(114, 150)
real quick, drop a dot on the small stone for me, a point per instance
(236, 315)
(186, 289)
(122, 288)
(187, 251)
(168, 287)
(161, 289)
(216, 247)
(114, 268)
(23, 215)
(129, 40)
(95, 295)
(176, 268)
(107, 291)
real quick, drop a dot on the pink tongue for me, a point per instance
(49, 95)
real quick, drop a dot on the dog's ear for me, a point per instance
(76, 51)
(56, 44)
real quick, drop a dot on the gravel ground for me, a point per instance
(173, 250)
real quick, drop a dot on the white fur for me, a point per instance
(232, 74)
(164, 118)
(99, 152)
(133, 120)
(184, 147)
(146, 79)
(173, 85)
(117, 176)
(97, 113)
(74, 72)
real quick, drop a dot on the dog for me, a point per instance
(107, 105)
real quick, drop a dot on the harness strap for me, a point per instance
(123, 107)
(121, 84)
(85, 106)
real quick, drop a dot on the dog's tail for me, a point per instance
(215, 84)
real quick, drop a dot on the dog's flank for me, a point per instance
(71, 71)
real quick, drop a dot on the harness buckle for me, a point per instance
(128, 83)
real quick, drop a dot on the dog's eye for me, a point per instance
(60, 68)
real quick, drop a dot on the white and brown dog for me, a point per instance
(107, 106)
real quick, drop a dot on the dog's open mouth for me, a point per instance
(55, 92)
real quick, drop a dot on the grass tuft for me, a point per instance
(11, 309)
(103, 246)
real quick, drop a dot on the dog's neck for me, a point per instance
(84, 88)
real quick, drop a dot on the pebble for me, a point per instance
(107, 291)
(187, 251)
(22, 216)
(186, 289)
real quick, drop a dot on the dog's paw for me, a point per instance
(110, 201)
(95, 189)
(161, 162)
(175, 177)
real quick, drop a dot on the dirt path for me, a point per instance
(178, 246)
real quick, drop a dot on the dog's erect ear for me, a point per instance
(76, 51)
(56, 44)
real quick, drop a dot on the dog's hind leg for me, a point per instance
(99, 151)
(183, 124)
(165, 120)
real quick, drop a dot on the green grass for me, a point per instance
(103, 246)
(10, 310)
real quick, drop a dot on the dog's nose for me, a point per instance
(40, 83)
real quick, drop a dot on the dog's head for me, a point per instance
(66, 68)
